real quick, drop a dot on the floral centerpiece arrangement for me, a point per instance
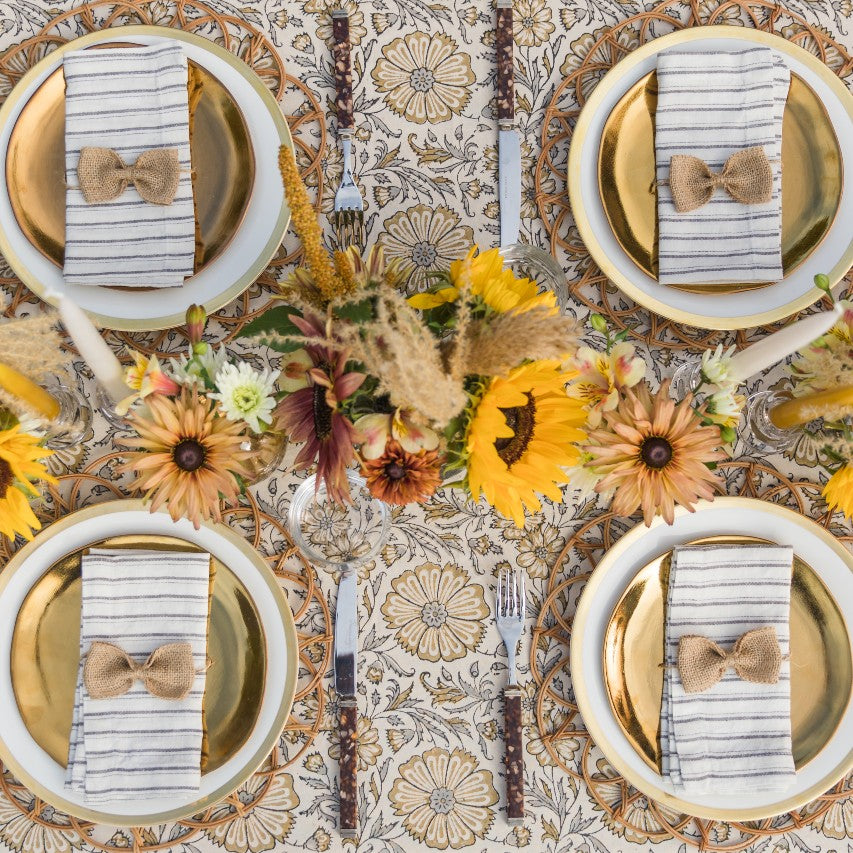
(463, 383)
(822, 407)
(197, 421)
(643, 448)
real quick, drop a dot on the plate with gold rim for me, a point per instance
(244, 235)
(821, 660)
(629, 577)
(222, 155)
(823, 249)
(812, 177)
(253, 646)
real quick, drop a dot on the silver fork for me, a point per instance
(511, 607)
(349, 205)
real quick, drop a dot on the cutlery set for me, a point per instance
(510, 604)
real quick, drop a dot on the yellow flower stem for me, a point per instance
(305, 224)
(800, 410)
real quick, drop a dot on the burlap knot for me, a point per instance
(747, 177)
(103, 175)
(167, 673)
(755, 657)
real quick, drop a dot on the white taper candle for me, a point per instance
(781, 344)
(94, 350)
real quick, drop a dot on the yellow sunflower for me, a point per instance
(521, 436)
(839, 491)
(498, 287)
(19, 455)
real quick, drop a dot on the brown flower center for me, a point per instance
(189, 455)
(322, 414)
(521, 420)
(7, 478)
(656, 452)
(395, 471)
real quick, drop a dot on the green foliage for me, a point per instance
(274, 329)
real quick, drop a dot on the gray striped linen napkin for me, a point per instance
(139, 745)
(130, 100)
(711, 105)
(736, 736)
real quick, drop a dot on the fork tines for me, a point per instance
(349, 227)
(510, 596)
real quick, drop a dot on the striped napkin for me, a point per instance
(130, 100)
(736, 736)
(711, 105)
(139, 745)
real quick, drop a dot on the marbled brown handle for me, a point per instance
(347, 766)
(343, 68)
(506, 72)
(514, 757)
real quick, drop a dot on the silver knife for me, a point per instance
(346, 661)
(509, 147)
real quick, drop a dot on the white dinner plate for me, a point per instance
(241, 261)
(726, 515)
(41, 773)
(749, 308)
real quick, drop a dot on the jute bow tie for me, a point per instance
(168, 673)
(746, 176)
(755, 657)
(103, 175)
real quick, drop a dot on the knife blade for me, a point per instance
(509, 146)
(346, 663)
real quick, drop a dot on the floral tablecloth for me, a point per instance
(432, 665)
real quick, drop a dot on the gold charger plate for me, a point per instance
(222, 158)
(45, 654)
(812, 177)
(821, 665)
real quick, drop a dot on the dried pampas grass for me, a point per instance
(497, 345)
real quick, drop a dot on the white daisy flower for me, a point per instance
(246, 394)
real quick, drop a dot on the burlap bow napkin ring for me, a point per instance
(103, 175)
(167, 673)
(747, 177)
(755, 657)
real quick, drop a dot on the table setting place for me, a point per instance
(426, 427)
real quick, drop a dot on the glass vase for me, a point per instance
(268, 449)
(340, 536)
(527, 261)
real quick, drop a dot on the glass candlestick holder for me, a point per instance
(74, 421)
(761, 435)
(105, 407)
(686, 379)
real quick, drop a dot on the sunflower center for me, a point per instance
(521, 420)
(189, 455)
(395, 471)
(434, 614)
(6, 478)
(656, 452)
(322, 414)
(442, 801)
(422, 80)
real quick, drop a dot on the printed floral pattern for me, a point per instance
(430, 709)
(425, 77)
(445, 801)
(436, 612)
(423, 240)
